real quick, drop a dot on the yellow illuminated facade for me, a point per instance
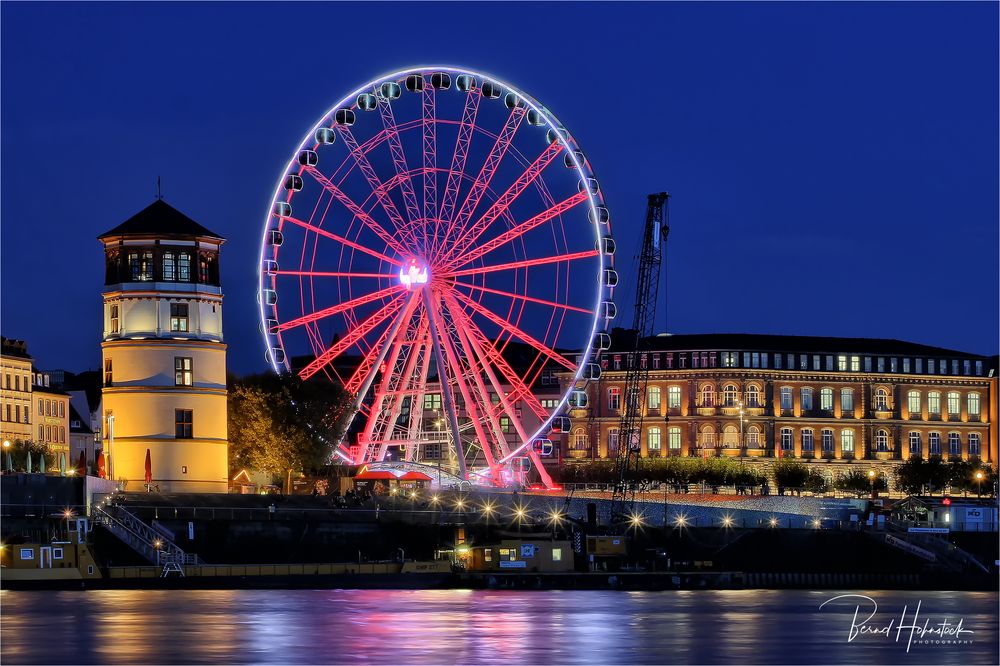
(831, 401)
(164, 359)
(15, 391)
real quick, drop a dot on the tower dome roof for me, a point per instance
(159, 219)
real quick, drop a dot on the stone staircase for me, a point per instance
(152, 544)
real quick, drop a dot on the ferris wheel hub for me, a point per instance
(414, 273)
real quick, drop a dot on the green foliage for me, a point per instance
(917, 476)
(816, 482)
(962, 476)
(790, 474)
(858, 482)
(277, 423)
(19, 456)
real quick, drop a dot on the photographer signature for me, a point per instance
(945, 629)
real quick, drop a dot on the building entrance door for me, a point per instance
(45, 557)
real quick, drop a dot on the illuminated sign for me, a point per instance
(412, 273)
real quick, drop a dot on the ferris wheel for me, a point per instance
(439, 246)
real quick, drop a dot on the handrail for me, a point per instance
(153, 545)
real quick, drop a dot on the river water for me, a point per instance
(490, 627)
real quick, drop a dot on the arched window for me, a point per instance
(674, 397)
(753, 396)
(916, 447)
(974, 444)
(653, 443)
(753, 436)
(729, 395)
(674, 438)
(974, 406)
(731, 436)
(580, 440)
(846, 401)
(786, 439)
(881, 440)
(808, 443)
(934, 443)
(954, 404)
(934, 403)
(954, 444)
(708, 396)
(614, 398)
(827, 440)
(708, 436)
(826, 399)
(653, 397)
(847, 442)
(913, 404)
(881, 401)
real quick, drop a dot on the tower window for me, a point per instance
(184, 267)
(114, 319)
(179, 317)
(141, 265)
(183, 373)
(169, 266)
(183, 423)
(108, 374)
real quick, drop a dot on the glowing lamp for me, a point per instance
(412, 273)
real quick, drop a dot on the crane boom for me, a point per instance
(637, 373)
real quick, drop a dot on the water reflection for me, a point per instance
(449, 626)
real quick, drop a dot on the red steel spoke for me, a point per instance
(465, 131)
(517, 332)
(489, 168)
(383, 391)
(336, 274)
(523, 264)
(530, 299)
(353, 336)
(350, 204)
(522, 228)
(467, 396)
(402, 387)
(486, 349)
(417, 404)
(361, 159)
(429, 114)
(508, 197)
(341, 307)
(398, 159)
(342, 240)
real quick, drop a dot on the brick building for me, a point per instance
(807, 398)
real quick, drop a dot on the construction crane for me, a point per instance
(637, 373)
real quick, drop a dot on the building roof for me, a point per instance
(83, 426)
(14, 348)
(622, 340)
(159, 219)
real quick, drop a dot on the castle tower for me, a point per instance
(163, 352)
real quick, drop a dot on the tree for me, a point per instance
(962, 477)
(858, 482)
(279, 423)
(789, 474)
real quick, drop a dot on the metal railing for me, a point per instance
(142, 538)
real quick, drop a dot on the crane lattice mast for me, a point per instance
(637, 373)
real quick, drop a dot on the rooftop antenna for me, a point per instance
(159, 193)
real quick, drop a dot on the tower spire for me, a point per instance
(159, 192)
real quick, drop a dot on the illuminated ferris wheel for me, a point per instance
(439, 246)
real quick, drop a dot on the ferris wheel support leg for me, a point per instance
(449, 398)
(504, 401)
(359, 398)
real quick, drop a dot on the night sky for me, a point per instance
(833, 166)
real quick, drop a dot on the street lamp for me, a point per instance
(871, 481)
(6, 448)
(979, 482)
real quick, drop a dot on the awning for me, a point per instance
(368, 475)
(414, 476)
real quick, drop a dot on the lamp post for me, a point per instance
(871, 481)
(111, 446)
(979, 481)
(6, 450)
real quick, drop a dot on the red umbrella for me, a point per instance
(81, 465)
(101, 471)
(149, 468)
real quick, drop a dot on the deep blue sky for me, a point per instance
(833, 166)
